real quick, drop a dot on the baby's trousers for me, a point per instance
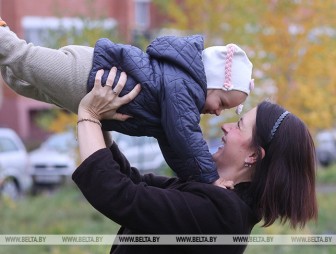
(54, 76)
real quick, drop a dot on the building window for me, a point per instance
(37, 30)
(142, 14)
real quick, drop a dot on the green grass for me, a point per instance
(327, 175)
(324, 225)
(67, 212)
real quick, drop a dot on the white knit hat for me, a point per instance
(228, 68)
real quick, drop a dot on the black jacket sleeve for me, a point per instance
(124, 164)
(189, 209)
(134, 174)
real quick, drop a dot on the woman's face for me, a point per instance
(237, 139)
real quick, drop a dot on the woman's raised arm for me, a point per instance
(102, 102)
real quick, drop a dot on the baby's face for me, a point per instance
(218, 100)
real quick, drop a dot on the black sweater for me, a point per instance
(152, 204)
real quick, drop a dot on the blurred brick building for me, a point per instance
(30, 18)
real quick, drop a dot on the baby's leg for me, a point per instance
(58, 76)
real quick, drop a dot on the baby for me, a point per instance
(179, 81)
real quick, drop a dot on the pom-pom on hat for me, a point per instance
(228, 68)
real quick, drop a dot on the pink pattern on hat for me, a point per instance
(228, 66)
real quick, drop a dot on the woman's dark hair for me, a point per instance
(284, 180)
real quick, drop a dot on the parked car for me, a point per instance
(143, 153)
(326, 147)
(14, 165)
(54, 161)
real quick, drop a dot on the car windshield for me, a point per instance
(325, 137)
(61, 142)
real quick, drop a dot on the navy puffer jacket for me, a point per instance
(173, 93)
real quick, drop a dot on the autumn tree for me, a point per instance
(299, 40)
(290, 42)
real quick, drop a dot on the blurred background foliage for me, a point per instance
(56, 120)
(290, 42)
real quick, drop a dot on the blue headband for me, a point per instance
(276, 125)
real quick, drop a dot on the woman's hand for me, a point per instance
(103, 102)
(100, 103)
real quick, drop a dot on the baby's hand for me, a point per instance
(226, 184)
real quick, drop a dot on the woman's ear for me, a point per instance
(255, 155)
(262, 152)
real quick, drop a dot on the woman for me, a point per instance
(269, 155)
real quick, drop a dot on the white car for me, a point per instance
(143, 153)
(326, 147)
(54, 161)
(14, 165)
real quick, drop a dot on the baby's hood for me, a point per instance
(185, 52)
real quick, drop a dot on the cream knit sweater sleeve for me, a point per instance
(54, 76)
